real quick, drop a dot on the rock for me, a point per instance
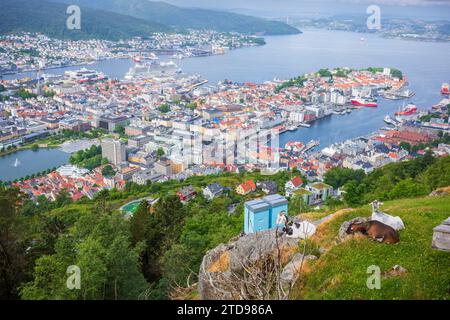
(395, 271)
(222, 265)
(343, 234)
(291, 270)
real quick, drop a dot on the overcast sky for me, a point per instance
(426, 9)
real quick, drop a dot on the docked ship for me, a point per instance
(390, 121)
(409, 109)
(397, 94)
(444, 89)
(84, 75)
(363, 102)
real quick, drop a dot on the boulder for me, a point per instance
(220, 267)
(343, 230)
(292, 269)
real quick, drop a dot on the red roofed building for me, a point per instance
(246, 187)
(294, 184)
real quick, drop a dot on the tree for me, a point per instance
(120, 129)
(405, 146)
(297, 205)
(108, 171)
(337, 177)
(13, 244)
(407, 189)
(164, 108)
(99, 245)
(160, 152)
(353, 195)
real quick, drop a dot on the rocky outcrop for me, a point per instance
(293, 268)
(223, 267)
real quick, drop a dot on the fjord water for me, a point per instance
(425, 64)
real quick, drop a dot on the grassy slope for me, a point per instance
(340, 273)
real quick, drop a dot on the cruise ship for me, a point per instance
(152, 69)
(84, 75)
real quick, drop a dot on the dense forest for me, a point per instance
(117, 19)
(156, 250)
(50, 18)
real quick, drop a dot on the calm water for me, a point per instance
(424, 63)
(30, 162)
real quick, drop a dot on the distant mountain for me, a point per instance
(50, 18)
(194, 18)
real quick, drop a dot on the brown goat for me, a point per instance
(375, 230)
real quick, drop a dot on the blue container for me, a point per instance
(256, 216)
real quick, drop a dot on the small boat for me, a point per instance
(389, 120)
(363, 102)
(409, 109)
(444, 89)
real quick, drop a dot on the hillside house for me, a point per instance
(268, 187)
(320, 191)
(212, 191)
(292, 185)
(246, 188)
(186, 194)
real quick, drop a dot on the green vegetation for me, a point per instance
(108, 171)
(341, 272)
(28, 15)
(164, 244)
(298, 82)
(164, 108)
(24, 94)
(90, 158)
(396, 180)
(324, 73)
(396, 73)
(190, 18)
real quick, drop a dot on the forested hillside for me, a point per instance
(160, 247)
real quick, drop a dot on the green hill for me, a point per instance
(50, 18)
(194, 18)
(341, 272)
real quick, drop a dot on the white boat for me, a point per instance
(389, 120)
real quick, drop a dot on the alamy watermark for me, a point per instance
(73, 22)
(74, 279)
(374, 20)
(374, 280)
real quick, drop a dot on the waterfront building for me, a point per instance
(292, 185)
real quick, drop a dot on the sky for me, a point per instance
(425, 9)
